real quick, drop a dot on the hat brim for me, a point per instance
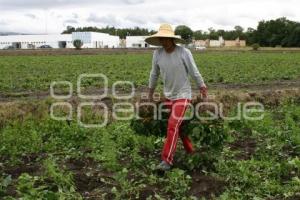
(154, 40)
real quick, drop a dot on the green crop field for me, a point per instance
(35, 73)
(43, 158)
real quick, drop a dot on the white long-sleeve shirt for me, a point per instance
(175, 67)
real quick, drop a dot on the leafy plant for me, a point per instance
(78, 44)
(127, 187)
(255, 46)
(177, 183)
(5, 181)
(27, 188)
(208, 135)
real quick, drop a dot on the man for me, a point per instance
(175, 64)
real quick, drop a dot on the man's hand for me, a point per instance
(203, 91)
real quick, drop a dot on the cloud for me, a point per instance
(2, 23)
(48, 4)
(197, 14)
(71, 21)
(135, 19)
(168, 19)
(94, 18)
(75, 15)
(104, 20)
(32, 16)
(134, 1)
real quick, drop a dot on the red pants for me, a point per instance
(178, 108)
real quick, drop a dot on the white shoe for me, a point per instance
(163, 166)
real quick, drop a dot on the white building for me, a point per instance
(97, 40)
(35, 41)
(90, 40)
(136, 42)
(217, 43)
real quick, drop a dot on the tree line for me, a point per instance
(271, 33)
(121, 32)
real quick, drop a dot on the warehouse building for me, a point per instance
(96, 40)
(136, 42)
(35, 41)
(90, 40)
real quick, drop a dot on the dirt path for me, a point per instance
(56, 52)
(275, 85)
(213, 88)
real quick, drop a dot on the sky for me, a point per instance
(53, 16)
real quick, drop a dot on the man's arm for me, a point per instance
(154, 74)
(194, 72)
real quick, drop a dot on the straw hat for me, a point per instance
(165, 31)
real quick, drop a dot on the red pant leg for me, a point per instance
(176, 117)
(188, 146)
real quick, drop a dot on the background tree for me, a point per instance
(77, 44)
(213, 34)
(294, 38)
(70, 29)
(198, 35)
(185, 32)
(239, 31)
(121, 32)
(249, 36)
(278, 32)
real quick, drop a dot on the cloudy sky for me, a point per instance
(52, 16)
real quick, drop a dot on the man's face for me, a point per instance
(166, 42)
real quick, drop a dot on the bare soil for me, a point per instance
(245, 146)
(214, 88)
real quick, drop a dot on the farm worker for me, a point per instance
(175, 64)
